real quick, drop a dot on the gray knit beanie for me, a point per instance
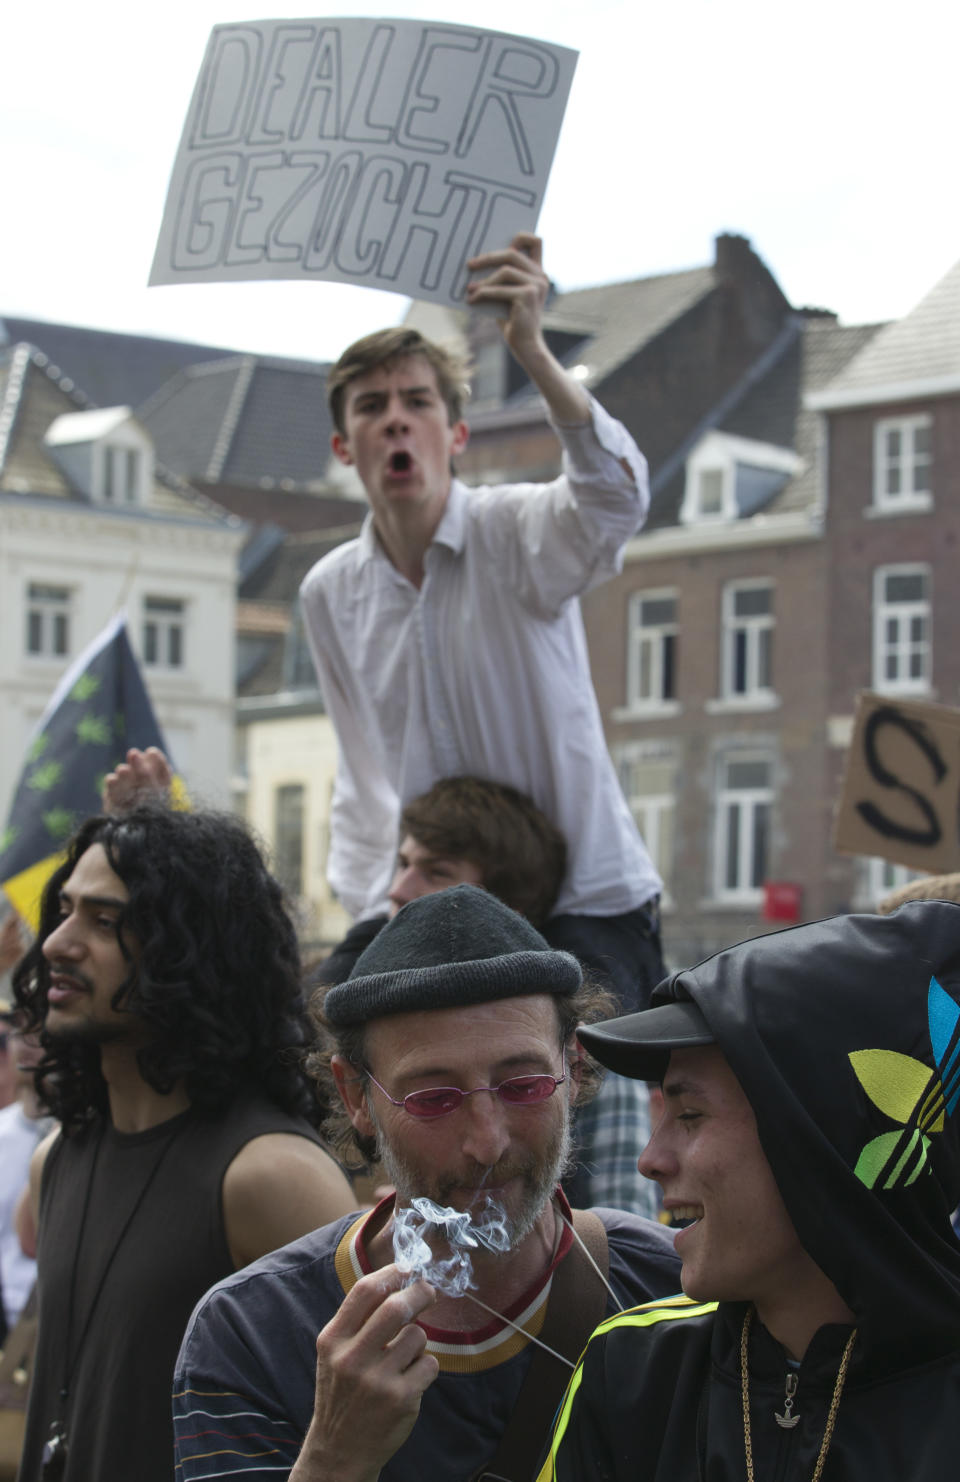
(455, 947)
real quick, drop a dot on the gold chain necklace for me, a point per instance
(831, 1414)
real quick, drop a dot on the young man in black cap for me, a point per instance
(452, 1049)
(810, 1134)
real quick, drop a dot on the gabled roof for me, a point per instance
(913, 357)
(113, 369)
(34, 395)
(772, 408)
(242, 420)
(620, 318)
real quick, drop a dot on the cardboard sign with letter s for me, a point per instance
(901, 791)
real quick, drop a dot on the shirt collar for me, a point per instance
(450, 532)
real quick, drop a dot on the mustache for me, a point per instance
(493, 1175)
(59, 969)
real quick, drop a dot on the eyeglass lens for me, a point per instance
(523, 1090)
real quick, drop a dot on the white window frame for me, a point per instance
(655, 815)
(167, 648)
(51, 605)
(653, 812)
(879, 878)
(284, 848)
(754, 627)
(747, 801)
(907, 498)
(121, 473)
(718, 454)
(904, 613)
(652, 639)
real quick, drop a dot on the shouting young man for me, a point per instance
(448, 638)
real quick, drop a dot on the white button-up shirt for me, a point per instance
(483, 670)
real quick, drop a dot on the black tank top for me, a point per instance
(118, 1413)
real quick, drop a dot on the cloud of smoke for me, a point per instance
(462, 1231)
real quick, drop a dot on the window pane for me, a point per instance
(743, 776)
(150, 643)
(893, 479)
(59, 633)
(921, 441)
(751, 601)
(644, 678)
(733, 846)
(657, 611)
(761, 823)
(39, 592)
(669, 660)
(711, 491)
(906, 586)
(764, 646)
(288, 835)
(918, 627)
(893, 442)
(34, 633)
(175, 645)
(163, 604)
(740, 662)
(130, 482)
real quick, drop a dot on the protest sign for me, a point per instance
(901, 791)
(378, 152)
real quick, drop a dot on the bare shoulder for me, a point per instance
(279, 1187)
(40, 1154)
(37, 1164)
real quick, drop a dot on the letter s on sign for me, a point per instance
(889, 715)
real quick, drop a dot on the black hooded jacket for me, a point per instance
(845, 1036)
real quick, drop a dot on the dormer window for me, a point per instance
(122, 474)
(729, 478)
(710, 493)
(105, 454)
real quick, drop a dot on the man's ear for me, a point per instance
(461, 436)
(341, 449)
(350, 1084)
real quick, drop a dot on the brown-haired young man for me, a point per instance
(467, 831)
(448, 638)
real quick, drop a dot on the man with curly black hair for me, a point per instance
(165, 986)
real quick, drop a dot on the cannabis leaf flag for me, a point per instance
(99, 709)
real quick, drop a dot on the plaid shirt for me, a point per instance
(612, 1131)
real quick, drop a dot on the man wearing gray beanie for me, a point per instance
(451, 1052)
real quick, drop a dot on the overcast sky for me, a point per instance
(825, 132)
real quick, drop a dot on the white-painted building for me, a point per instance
(89, 523)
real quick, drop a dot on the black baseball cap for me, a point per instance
(639, 1045)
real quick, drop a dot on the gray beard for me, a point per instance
(539, 1181)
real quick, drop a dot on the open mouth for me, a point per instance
(400, 463)
(682, 1215)
(62, 987)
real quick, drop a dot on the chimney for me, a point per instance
(732, 253)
